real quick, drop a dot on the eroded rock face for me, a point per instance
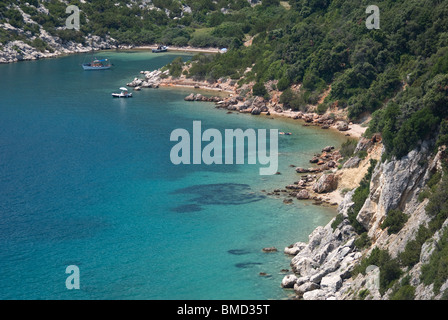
(18, 50)
(328, 255)
(394, 183)
(323, 265)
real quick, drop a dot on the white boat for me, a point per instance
(123, 94)
(160, 49)
(96, 64)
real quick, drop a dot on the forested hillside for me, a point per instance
(398, 73)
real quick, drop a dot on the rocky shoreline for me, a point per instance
(19, 50)
(322, 268)
(318, 179)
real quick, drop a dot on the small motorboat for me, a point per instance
(123, 94)
(160, 49)
(285, 133)
(96, 64)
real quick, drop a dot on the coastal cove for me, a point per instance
(88, 181)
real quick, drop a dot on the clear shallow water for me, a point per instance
(87, 180)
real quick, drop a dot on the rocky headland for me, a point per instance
(322, 268)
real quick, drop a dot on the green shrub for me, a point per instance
(337, 221)
(175, 67)
(406, 292)
(292, 100)
(411, 254)
(363, 293)
(437, 207)
(41, 45)
(348, 147)
(442, 138)
(424, 194)
(259, 89)
(322, 108)
(283, 84)
(389, 268)
(363, 241)
(362, 154)
(395, 220)
(436, 271)
(434, 180)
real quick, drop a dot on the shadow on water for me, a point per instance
(217, 194)
(238, 252)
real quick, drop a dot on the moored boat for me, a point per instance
(160, 49)
(123, 94)
(97, 64)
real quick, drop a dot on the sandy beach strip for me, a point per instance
(181, 49)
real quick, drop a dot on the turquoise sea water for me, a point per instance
(87, 180)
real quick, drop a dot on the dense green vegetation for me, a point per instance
(398, 72)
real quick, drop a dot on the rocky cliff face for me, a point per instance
(19, 50)
(24, 48)
(323, 267)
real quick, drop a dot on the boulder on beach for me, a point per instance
(303, 195)
(326, 183)
(342, 126)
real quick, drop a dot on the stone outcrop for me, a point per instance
(152, 79)
(324, 261)
(322, 267)
(18, 50)
(353, 162)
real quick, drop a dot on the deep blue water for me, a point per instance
(87, 180)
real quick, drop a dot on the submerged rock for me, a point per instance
(270, 249)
